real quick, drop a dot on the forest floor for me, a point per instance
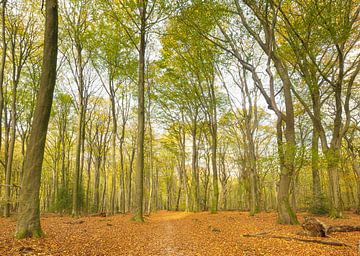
(174, 233)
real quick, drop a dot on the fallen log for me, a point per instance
(316, 228)
(344, 228)
(333, 243)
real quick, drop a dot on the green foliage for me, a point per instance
(318, 205)
(63, 200)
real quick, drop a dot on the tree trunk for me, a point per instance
(316, 189)
(10, 151)
(113, 150)
(130, 179)
(194, 163)
(356, 168)
(332, 156)
(215, 198)
(286, 215)
(28, 223)
(97, 184)
(2, 65)
(77, 174)
(141, 116)
(122, 191)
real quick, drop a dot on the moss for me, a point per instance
(137, 218)
(36, 233)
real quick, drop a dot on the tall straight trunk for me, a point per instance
(181, 177)
(151, 158)
(96, 201)
(254, 204)
(333, 154)
(182, 162)
(77, 172)
(88, 180)
(131, 162)
(2, 64)
(76, 178)
(10, 156)
(141, 116)
(28, 223)
(113, 152)
(206, 183)
(215, 197)
(63, 153)
(317, 204)
(13, 117)
(333, 158)
(194, 164)
(122, 190)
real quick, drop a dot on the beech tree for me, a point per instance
(28, 223)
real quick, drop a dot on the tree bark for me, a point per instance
(28, 223)
(141, 116)
(2, 65)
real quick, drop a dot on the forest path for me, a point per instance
(167, 227)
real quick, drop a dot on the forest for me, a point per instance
(184, 127)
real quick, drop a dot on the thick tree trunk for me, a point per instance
(28, 223)
(141, 117)
(356, 168)
(286, 214)
(332, 157)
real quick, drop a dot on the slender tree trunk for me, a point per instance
(97, 183)
(113, 149)
(122, 196)
(10, 153)
(88, 181)
(141, 117)
(181, 177)
(316, 189)
(130, 179)
(215, 197)
(77, 174)
(194, 164)
(28, 223)
(63, 153)
(2, 64)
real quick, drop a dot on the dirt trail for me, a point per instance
(167, 230)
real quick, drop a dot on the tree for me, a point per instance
(323, 52)
(28, 224)
(142, 5)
